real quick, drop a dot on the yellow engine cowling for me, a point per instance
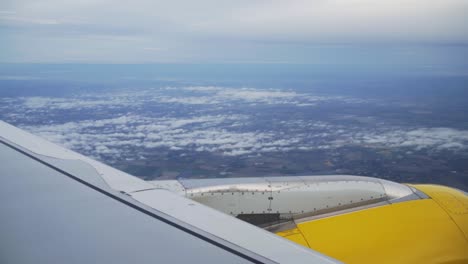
(431, 230)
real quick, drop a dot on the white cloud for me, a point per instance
(253, 95)
(153, 49)
(28, 20)
(202, 133)
(200, 100)
(420, 138)
(17, 78)
(203, 95)
(70, 103)
(225, 134)
(216, 95)
(117, 136)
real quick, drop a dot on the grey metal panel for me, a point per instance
(419, 193)
(283, 179)
(410, 197)
(235, 202)
(330, 178)
(47, 217)
(78, 168)
(172, 185)
(323, 195)
(199, 183)
(297, 197)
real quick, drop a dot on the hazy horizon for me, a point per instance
(298, 31)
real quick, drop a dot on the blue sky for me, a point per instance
(243, 31)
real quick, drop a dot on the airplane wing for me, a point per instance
(57, 206)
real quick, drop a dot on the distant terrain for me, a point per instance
(157, 124)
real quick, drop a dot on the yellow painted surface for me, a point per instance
(420, 231)
(294, 235)
(454, 202)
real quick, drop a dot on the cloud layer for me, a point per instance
(221, 135)
(220, 120)
(192, 95)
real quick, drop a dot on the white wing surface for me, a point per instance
(57, 206)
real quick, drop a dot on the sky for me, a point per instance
(242, 31)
